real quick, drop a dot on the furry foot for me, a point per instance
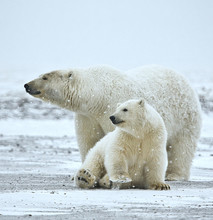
(175, 177)
(85, 179)
(160, 186)
(105, 182)
(121, 182)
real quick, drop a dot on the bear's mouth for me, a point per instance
(31, 91)
(117, 122)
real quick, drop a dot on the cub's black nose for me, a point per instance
(112, 118)
(26, 86)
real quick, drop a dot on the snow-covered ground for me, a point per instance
(39, 156)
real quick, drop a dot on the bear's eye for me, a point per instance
(125, 110)
(44, 78)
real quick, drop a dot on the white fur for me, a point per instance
(134, 153)
(93, 94)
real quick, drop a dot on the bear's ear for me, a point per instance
(141, 102)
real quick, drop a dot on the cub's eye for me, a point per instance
(125, 110)
(44, 78)
(70, 74)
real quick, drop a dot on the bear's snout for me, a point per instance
(26, 86)
(30, 90)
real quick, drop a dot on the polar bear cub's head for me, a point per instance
(131, 116)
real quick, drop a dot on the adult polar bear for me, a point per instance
(93, 94)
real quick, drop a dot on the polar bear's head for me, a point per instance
(48, 86)
(57, 87)
(130, 116)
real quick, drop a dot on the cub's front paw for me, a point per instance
(121, 182)
(160, 186)
(85, 179)
(105, 182)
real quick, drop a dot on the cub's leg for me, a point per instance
(117, 169)
(155, 168)
(105, 182)
(91, 170)
(85, 179)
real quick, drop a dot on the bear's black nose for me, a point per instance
(112, 118)
(31, 90)
(26, 86)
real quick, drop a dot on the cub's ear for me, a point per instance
(141, 102)
(118, 105)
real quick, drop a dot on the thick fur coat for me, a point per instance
(93, 93)
(133, 155)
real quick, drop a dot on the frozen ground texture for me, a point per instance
(39, 156)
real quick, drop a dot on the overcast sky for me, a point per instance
(56, 34)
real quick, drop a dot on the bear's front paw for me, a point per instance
(85, 179)
(105, 182)
(160, 186)
(121, 182)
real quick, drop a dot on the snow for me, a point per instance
(65, 201)
(207, 130)
(34, 128)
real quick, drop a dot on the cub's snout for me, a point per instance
(115, 120)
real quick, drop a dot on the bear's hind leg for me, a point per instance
(181, 151)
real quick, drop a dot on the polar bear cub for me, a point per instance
(133, 155)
